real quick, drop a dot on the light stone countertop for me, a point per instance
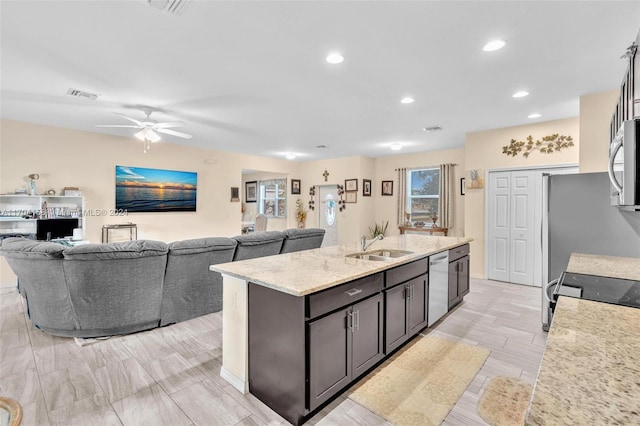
(590, 372)
(627, 268)
(309, 271)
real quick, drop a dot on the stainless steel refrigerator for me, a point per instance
(578, 218)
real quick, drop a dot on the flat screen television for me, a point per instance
(55, 228)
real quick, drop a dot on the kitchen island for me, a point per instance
(590, 372)
(298, 328)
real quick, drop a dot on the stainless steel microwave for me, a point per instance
(624, 166)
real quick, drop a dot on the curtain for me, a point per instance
(402, 194)
(445, 213)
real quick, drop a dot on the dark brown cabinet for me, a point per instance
(458, 274)
(342, 346)
(405, 303)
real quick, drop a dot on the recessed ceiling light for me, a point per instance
(407, 100)
(535, 115)
(335, 58)
(494, 45)
(290, 156)
(521, 94)
(396, 146)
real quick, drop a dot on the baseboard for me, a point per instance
(237, 383)
(477, 276)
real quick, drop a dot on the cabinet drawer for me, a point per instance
(458, 252)
(406, 272)
(343, 295)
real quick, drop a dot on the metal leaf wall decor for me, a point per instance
(546, 145)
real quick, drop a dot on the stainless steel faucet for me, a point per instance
(365, 245)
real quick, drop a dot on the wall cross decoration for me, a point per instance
(326, 175)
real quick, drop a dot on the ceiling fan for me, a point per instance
(150, 128)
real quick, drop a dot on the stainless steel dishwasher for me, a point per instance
(438, 286)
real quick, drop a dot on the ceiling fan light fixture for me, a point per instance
(147, 135)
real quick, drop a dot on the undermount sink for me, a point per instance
(380, 254)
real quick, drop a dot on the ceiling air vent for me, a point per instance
(80, 94)
(432, 129)
(172, 7)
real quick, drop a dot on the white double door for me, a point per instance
(511, 225)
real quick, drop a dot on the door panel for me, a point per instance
(329, 360)
(367, 339)
(328, 214)
(417, 304)
(453, 283)
(395, 317)
(522, 235)
(463, 276)
(499, 222)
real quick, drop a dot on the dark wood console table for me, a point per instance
(428, 229)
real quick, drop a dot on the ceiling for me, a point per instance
(251, 77)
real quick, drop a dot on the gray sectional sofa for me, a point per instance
(97, 290)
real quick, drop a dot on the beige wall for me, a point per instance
(66, 157)
(354, 220)
(483, 150)
(386, 207)
(596, 111)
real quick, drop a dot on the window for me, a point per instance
(423, 193)
(272, 197)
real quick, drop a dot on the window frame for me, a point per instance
(410, 197)
(280, 187)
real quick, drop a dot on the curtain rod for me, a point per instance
(427, 167)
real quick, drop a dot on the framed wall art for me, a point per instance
(387, 187)
(351, 185)
(295, 186)
(351, 197)
(251, 191)
(366, 187)
(142, 190)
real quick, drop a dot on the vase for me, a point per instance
(434, 218)
(301, 225)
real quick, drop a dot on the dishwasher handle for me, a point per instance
(437, 260)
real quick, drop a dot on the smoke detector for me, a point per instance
(81, 94)
(172, 7)
(432, 129)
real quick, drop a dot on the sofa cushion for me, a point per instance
(123, 250)
(257, 245)
(201, 245)
(22, 248)
(295, 233)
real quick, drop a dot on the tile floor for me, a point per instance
(170, 376)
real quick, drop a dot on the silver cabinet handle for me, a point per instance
(354, 291)
(350, 321)
(356, 315)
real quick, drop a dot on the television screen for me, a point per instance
(153, 190)
(55, 228)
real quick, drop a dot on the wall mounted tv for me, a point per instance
(55, 228)
(153, 190)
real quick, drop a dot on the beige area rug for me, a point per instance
(420, 384)
(505, 401)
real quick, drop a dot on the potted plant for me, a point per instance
(379, 229)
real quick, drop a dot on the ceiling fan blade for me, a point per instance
(167, 124)
(139, 123)
(117, 125)
(174, 133)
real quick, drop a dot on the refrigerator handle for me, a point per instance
(615, 147)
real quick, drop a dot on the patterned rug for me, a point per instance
(421, 383)
(505, 401)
